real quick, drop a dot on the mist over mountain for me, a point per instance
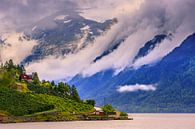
(133, 53)
(167, 86)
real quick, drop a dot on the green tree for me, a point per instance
(63, 89)
(123, 114)
(90, 102)
(108, 108)
(53, 83)
(36, 78)
(9, 65)
(74, 94)
(46, 84)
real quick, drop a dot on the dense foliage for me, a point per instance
(90, 102)
(123, 114)
(18, 103)
(108, 108)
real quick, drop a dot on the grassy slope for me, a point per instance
(18, 103)
(16, 99)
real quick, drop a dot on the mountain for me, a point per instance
(110, 49)
(172, 77)
(64, 33)
(150, 45)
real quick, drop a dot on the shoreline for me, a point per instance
(14, 122)
(32, 119)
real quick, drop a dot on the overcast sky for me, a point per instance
(18, 14)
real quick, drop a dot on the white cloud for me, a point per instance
(181, 22)
(73, 64)
(161, 50)
(125, 53)
(136, 87)
(107, 9)
(15, 47)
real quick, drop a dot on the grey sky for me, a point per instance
(17, 14)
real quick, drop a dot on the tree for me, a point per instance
(108, 108)
(9, 64)
(63, 89)
(90, 102)
(36, 78)
(46, 84)
(123, 114)
(74, 94)
(53, 83)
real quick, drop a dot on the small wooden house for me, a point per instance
(98, 111)
(26, 77)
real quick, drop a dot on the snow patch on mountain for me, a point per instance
(34, 28)
(65, 22)
(85, 28)
(61, 17)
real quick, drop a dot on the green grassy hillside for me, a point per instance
(20, 97)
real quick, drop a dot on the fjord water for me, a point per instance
(141, 121)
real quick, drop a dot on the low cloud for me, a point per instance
(153, 18)
(136, 87)
(181, 24)
(16, 47)
(72, 64)
(107, 9)
(124, 55)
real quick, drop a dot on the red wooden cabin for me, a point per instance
(26, 77)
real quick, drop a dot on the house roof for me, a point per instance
(98, 109)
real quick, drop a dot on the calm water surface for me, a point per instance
(141, 121)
